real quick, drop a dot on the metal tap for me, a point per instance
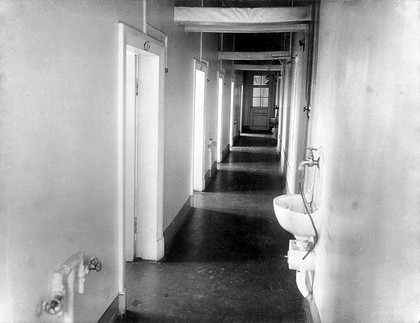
(310, 161)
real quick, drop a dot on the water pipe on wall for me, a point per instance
(301, 283)
(144, 16)
(211, 147)
(61, 301)
(303, 279)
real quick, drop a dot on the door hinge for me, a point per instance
(137, 86)
(135, 224)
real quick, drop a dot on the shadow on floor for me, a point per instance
(241, 181)
(132, 317)
(250, 141)
(219, 236)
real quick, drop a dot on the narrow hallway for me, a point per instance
(227, 263)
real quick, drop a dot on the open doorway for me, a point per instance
(141, 192)
(140, 149)
(199, 164)
(220, 116)
(232, 123)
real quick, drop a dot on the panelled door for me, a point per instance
(260, 102)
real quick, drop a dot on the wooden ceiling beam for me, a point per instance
(249, 67)
(222, 16)
(243, 20)
(248, 29)
(253, 56)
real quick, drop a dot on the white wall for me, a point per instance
(226, 105)
(183, 48)
(59, 66)
(178, 109)
(294, 119)
(59, 148)
(366, 118)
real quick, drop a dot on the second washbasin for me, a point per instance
(292, 216)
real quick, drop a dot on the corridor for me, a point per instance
(227, 263)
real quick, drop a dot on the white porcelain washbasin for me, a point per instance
(291, 214)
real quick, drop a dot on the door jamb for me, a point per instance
(134, 39)
(200, 65)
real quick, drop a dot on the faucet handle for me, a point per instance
(94, 264)
(311, 149)
(54, 306)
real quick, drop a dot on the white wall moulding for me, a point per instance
(253, 56)
(243, 20)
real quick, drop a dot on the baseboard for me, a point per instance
(225, 152)
(207, 178)
(111, 312)
(210, 174)
(213, 169)
(177, 223)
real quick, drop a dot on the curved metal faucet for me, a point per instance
(310, 161)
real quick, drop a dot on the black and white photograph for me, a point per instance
(209, 161)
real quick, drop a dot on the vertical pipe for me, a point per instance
(233, 49)
(201, 47)
(81, 277)
(201, 38)
(221, 49)
(232, 89)
(69, 309)
(144, 16)
(242, 107)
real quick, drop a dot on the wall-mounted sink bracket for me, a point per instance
(297, 257)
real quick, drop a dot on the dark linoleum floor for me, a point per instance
(227, 263)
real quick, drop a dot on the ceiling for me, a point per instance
(251, 42)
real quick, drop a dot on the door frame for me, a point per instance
(220, 80)
(130, 155)
(232, 112)
(152, 220)
(260, 111)
(198, 135)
